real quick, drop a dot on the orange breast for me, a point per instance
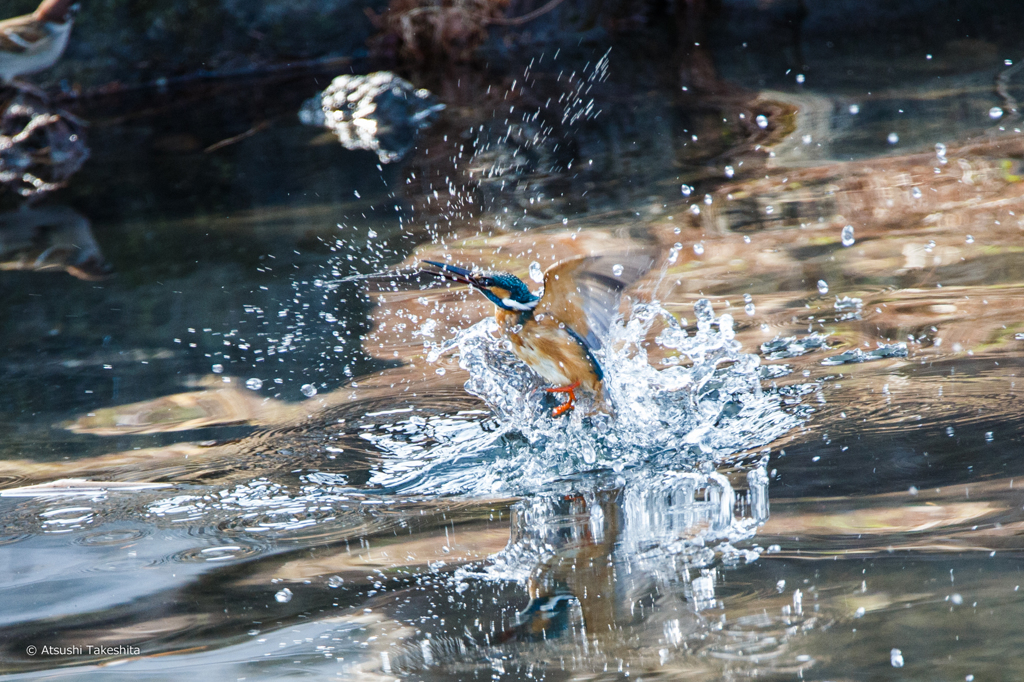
(549, 350)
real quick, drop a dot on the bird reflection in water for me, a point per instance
(630, 563)
(54, 237)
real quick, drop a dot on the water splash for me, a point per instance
(662, 523)
(856, 355)
(790, 347)
(704, 404)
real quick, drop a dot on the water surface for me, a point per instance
(810, 475)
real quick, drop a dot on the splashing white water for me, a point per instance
(705, 404)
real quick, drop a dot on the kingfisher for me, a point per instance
(557, 332)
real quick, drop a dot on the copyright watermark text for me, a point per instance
(82, 650)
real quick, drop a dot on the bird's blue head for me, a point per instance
(504, 290)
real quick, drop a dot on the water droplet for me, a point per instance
(746, 239)
(940, 149)
(371, 234)
(729, 171)
(536, 274)
(707, 199)
(847, 236)
(916, 192)
(704, 311)
(956, 598)
(893, 138)
(686, 190)
(762, 121)
(989, 437)
(308, 390)
(896, 658)
(859, 613)
(617, 270)
(565, 221)
(440, 371)
(822, 287)
(698, 248)
(694, 209)
(854, 109)
(749, 309)
(218, 369)
(800, 78)
(769, 209)
(970, 239)
(995, 113)
(254, 384)
(950, 431)
(930, 246)
(335, 581)
(806, 139)
(284, 596)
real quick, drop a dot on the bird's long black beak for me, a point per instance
(452, 273)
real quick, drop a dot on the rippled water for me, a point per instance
(235, 460)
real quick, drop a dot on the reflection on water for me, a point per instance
(40, 146)
(217, 457)
(54, 237)
(380, 112)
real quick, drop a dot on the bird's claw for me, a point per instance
(568, 404)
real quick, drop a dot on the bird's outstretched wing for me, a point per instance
(21, 34)
(584, 292)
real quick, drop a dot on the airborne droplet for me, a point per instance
(822, 287)
(536, 274)
(762, 121)
(847, 235)
(308, 390)
(617, 270)
(254, 384)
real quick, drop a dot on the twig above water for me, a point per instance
(259, 127)
(529, 16)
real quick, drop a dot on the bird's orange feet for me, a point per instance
(568, 404)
